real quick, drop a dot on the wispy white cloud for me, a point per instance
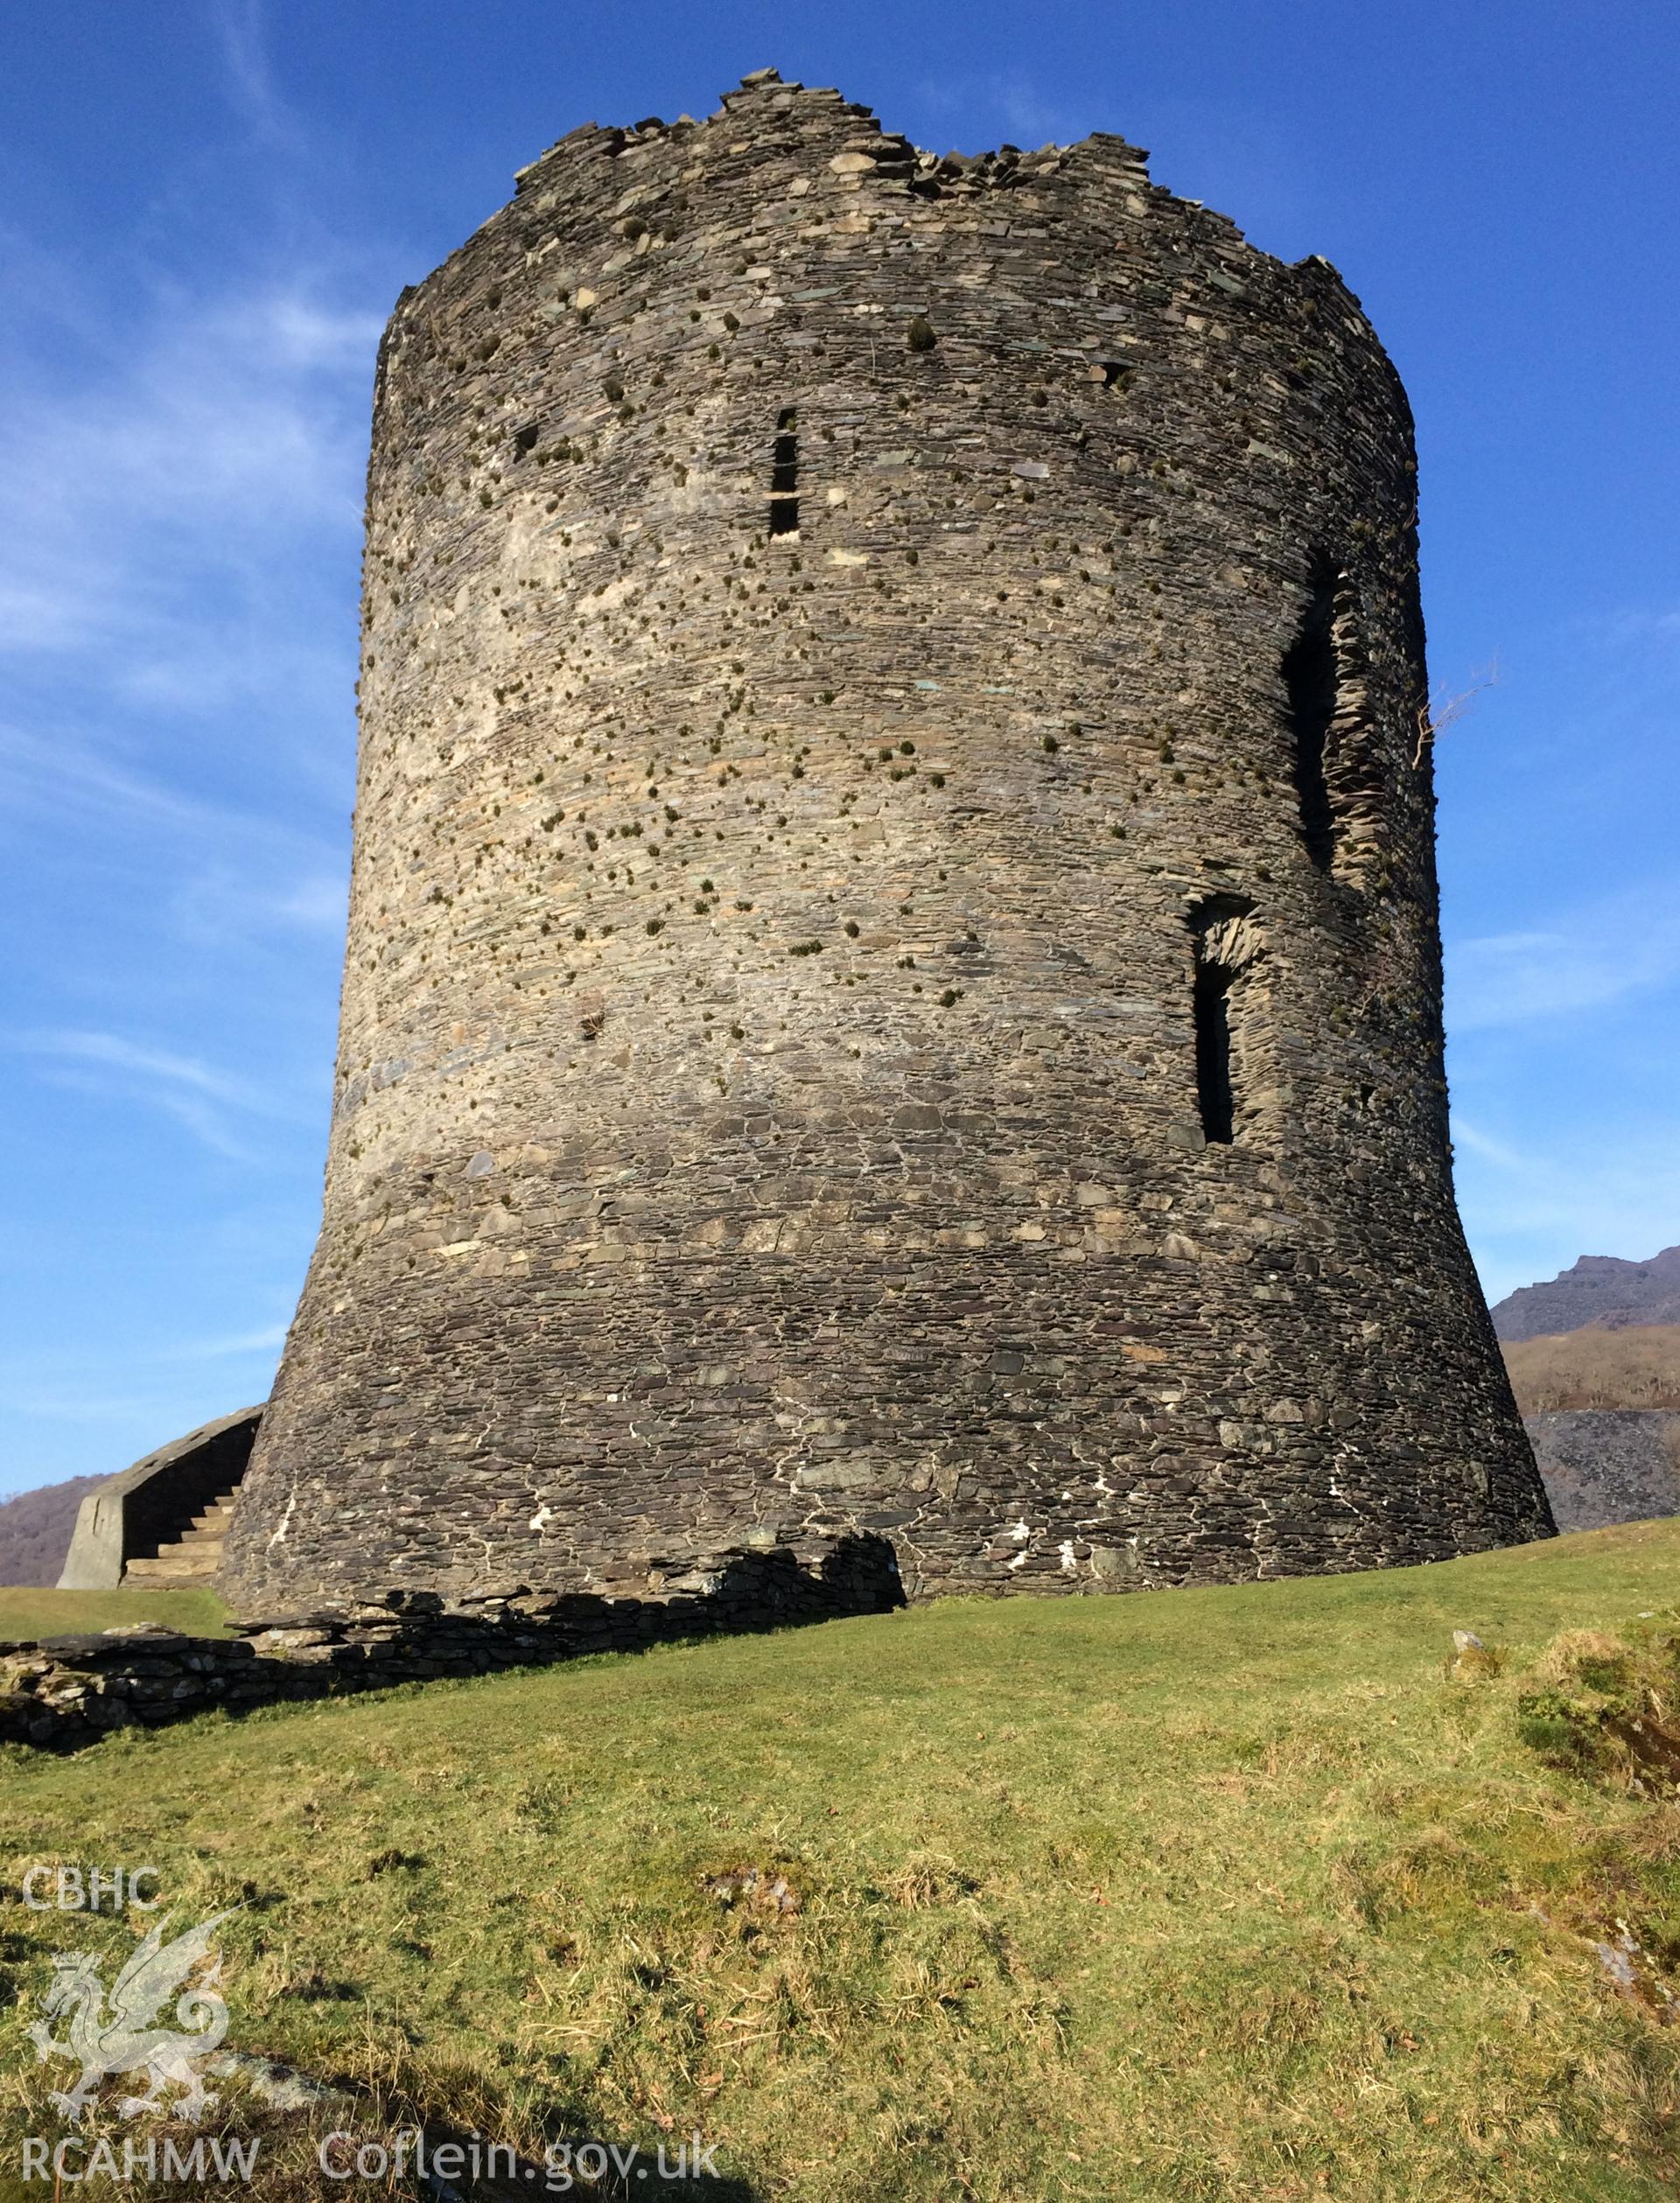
(69, 775)
(319, 902)
(1029, 117)
(1532, 1206)
(241, 866)
(1639, 624)
(1596, 954)
(206, 1101)
(176, 544)
(151, 1063)
(166, 488)
(72, 1401)
(266, 1339)
(241, 31)
(94, 1390)
(219, 904)
(1568, 1147)
(183, 410)
(1468, 1139)
(35, 617)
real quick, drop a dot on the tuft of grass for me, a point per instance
(1608, 1709)
(1202, 1894)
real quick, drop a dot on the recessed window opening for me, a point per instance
(1226, 945)
(1215, 1094)
(784, 475)
(1311, 677)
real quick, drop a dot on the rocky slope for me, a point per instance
(1607, 1464)
(1599, 1289)
(1594, 1361)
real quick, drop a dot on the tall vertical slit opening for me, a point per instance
(1215, 1094)
(784, 475)
(1311, 678)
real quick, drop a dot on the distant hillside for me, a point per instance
(1599, 1289)
(35, 1530)
(1594, 1361)
(1638, 1366)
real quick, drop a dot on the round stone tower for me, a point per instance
(894, 983)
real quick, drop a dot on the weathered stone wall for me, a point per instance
(767, 1098)
(60, 1693)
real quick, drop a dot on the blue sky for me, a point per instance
(206, 209)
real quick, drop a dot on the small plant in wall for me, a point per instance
(1445, 707)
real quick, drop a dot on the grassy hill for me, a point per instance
(25, 1613)
(1227, 1893)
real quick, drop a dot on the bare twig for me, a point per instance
(1445, 709)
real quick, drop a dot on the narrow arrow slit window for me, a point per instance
(1226, 945)
(1215, 1094)
(784, 475)
(1311, 679)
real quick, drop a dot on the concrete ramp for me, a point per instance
(161, 1523)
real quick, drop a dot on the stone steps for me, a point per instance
(193, 1556)
(176, 1565)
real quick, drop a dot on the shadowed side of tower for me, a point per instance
(893, 982)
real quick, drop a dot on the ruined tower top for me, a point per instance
(893, 988)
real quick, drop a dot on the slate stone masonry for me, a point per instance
(61, 1693)
(893, 983)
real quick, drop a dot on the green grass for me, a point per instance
(28, 1614)
(1228, 1893)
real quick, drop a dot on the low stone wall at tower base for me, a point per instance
(60, 1693)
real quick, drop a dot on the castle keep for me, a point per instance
(893, 984)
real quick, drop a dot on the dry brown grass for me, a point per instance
(1636, 1368)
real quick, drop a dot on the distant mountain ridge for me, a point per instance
(1599, 1289)
(35, 1529)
